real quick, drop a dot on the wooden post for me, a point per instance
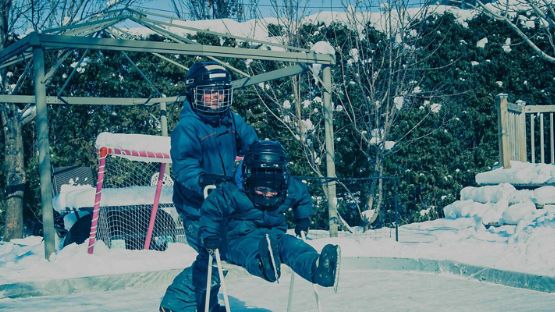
(515, 142)
(502, 130)
(164, 119)
(542, 140)
(521, 138)
(552, 138)
(532, 138)
(330, 152)
(44, 153)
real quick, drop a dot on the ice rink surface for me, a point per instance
(359, 290)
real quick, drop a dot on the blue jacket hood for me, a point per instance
(186, 110)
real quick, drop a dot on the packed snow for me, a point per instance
(522, 240)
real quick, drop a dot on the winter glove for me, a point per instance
(301, 225)
(213, 179)
(211, 242)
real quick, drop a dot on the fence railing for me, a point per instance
(525, 132)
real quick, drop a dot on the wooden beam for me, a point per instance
(271, 75)
(17, 47)
(77, 100)
(56, 41)
(539, 108)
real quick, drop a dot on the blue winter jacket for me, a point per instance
(200, 147)
(229, 210)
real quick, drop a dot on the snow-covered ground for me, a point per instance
(360, 291)
(522, 240)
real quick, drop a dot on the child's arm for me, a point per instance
(302, 208)
(213, 213)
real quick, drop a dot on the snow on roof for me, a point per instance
(258, 28)
(137, 147)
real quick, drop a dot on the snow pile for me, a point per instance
(503, 203)
(82, 196)
(520, 173)
(24, 260)
(499, 204)
(18, 248)
(76, 197)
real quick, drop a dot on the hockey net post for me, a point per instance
(132, 185)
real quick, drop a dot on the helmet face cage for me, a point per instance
(209, 90)
(272, 179)
(213, 98)
(265, 165)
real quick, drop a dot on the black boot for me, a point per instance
(325, 267)
(266, 263)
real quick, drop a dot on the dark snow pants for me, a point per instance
(188, 290)
(293, 252)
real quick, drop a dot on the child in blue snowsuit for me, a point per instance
(251, 218)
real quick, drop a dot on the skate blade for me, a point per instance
(337, 270)
(272, 258)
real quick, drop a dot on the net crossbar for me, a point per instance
(137, 212)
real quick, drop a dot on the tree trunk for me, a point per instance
(375, 197)
(14, 171)
(13, 167)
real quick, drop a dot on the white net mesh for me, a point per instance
(128, 194)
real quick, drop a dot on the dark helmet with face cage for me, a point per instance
(208, 89)
(265, 174)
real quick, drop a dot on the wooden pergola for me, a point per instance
(81, 36)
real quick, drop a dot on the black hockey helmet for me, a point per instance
(265, 174)
(208, 89)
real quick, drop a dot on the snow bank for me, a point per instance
(26, 262)
(520, 173)
(82, 196)
(503, 203)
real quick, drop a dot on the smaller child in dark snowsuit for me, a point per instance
(247, 214)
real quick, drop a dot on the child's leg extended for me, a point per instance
(298, 255)
(252, 253)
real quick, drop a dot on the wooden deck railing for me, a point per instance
(526, 132)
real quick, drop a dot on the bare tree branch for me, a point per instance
(540, 12)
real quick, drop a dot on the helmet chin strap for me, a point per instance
(265, 203)
(213, 119)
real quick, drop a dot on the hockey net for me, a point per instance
(133, 206)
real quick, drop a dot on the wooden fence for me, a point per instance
(526, 132)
